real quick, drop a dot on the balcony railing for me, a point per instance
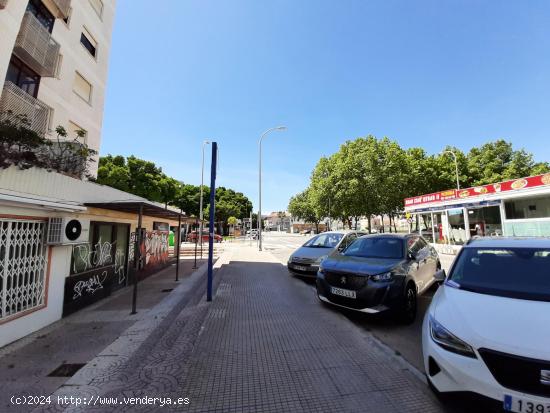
(3, 3)
(19, 102)
(63, 7)
(36, 47)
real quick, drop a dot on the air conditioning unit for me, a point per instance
(67, 230)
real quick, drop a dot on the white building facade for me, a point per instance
(54, 58)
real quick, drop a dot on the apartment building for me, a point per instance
(54, 57)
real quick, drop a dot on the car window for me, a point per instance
(326, 240)
(348, 240)
(415, 245)
(376, 247)
(522, 273)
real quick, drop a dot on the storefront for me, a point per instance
(519, 207)
(67, 243)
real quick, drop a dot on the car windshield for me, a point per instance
(376, 247)
(324, 241)
(522, 273)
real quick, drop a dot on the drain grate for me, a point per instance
(66, 370)
(166, 290)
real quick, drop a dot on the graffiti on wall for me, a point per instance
(90, 285)
(88, 256)
(153, 249)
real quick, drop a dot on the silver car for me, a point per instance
(306, 259)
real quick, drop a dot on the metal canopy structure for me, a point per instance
(133, 207)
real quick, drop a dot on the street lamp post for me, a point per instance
(202, 184)
(277, 128)
(456, 167)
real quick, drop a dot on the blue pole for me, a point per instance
(212, 212)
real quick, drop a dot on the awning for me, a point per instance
(149, 208)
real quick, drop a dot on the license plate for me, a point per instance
(523, 405)
(345, 293)
(300, 268)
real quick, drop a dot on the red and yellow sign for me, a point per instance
(506, 186)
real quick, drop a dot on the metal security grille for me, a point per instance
(22, 265)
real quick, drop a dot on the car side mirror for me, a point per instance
(440, 276)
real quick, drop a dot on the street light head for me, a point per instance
(206, 142)
(281, 128)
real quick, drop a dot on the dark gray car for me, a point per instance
(379, 273)
(306, 259)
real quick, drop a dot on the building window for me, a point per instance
(23, 76)
(73, 133)
(22, 266)
(82, 87)
(89, 43)
(528, 208)
(97, 5)
(41, 12)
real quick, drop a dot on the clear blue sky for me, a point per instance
(425, 73)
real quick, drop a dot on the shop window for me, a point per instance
(527, 208)
(456, 226)
(106, 247)
(485, 221)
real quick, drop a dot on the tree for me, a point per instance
(498, 161)
(232, 221)
(145, 179)
(302, 207)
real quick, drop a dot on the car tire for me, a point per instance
(409, 305)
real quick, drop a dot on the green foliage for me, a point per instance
(302, 206)
(370, 176)
(145, 179)
(24, 148)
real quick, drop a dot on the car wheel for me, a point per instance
(409, 305)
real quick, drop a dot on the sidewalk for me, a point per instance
(78, 338)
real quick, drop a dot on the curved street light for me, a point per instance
(277, 128)
(456, 166)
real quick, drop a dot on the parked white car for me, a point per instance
(487, 330)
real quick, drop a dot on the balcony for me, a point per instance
(36, 47)
(19, 102)
(63, 8)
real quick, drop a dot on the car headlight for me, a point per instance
(386, 276)
(318, 260)
(444, 338)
